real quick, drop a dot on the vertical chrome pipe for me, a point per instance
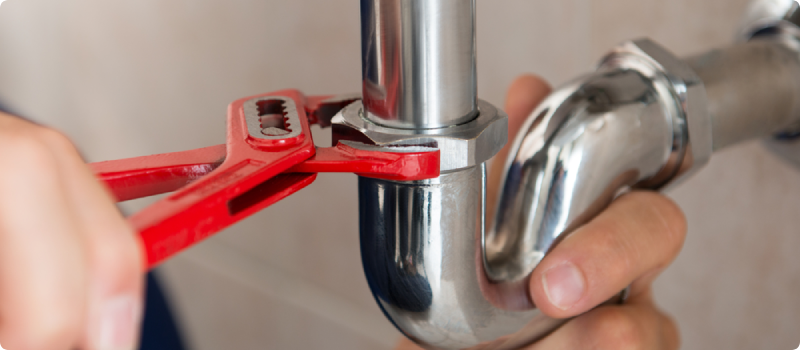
(421, 241)
(418, 61)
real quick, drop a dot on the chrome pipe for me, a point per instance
(753, 88)
(583, 144)
(418, 61)
(777, 20)
(421, 249)
(421, 241)
(644, 119)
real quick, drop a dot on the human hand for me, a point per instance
(71, 270)
(629, 243)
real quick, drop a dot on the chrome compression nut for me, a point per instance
(462, 146)
(674, 80)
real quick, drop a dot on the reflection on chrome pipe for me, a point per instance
(643, 120)
(418, 61)
(421, 248)
(586, 142)
(622, 126)
(444, 283)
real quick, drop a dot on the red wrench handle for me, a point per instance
(220, 185)
(162, 173)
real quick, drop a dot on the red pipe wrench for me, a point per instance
(268, 156)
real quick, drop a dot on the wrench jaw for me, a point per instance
(269, 155)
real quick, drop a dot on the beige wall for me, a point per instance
(127, 78)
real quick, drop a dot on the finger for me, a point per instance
(42, 254)
(635, 325)
(115, 256)
(524, 94)
(638, 235)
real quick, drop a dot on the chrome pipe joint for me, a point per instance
(639, 121)
(644, 119)
(421, 240)
(777, 24)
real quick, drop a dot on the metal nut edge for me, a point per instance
(686, 88)
(462, 146)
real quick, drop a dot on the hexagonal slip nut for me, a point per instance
(462, 146)
(686, 88)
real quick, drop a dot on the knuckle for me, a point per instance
(670, 211)
(28, 148)
(58, 143)
(671, 218)
(33, 145)
(670, 333)
(665, 218)
(52, 332)
(611, 238)
(55, 139)
(121, 258)
(616, 329)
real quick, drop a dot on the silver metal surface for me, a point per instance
(677, 83)
(644, 119)
(272, 118)
(421, 248)
(399, 149)
(770, 16)
(418, 59)
(753, 88)
(776, 21)
(462, 146)
(625, 125)
(331, 107)
(446, 284)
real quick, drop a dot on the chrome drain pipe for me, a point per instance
(644, 119)
(753, 88)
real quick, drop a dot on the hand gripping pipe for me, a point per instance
(644, 119)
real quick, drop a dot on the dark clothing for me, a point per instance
(159, 331)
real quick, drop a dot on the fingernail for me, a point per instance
(564, 285)
(118, 324)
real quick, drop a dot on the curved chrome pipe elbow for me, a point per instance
(643, 120)
(421, 249)
(626, 125)
(446, 284)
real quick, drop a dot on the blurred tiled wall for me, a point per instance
(127, 78)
